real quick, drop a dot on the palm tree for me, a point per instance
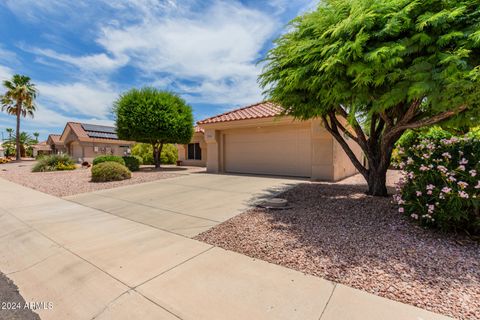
(18, 100)
(25, 139)
(36, 135)
(9, 131)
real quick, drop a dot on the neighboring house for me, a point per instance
(41, 148)
(56, 145)
(257, 139)
(191, 154)
(83, 142)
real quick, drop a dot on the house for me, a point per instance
(83, 141)
(257, 139)
(56, 145)
(41, 148)
(191, 154)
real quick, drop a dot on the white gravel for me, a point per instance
(66, 183)
(337, 232)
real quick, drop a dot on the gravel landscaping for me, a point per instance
(67, 183)
(337, 232)
(12, 304)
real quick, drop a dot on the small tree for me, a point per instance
(19, 100)
(385, 66)
(152, 116)
(36, 135)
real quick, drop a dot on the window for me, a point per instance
(194, 151)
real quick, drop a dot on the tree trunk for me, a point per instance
(377, 182)
(157, 151)
(18, 151)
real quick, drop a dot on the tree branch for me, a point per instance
(427, 121)
(362, 140)
(333, 130)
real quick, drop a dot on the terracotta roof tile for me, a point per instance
(255, 111)
(55, 138)
(198, 129)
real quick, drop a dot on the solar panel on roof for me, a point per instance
(104, 135)
(98, 128)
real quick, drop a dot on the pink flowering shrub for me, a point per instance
(441, 183)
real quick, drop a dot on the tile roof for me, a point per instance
(260, 110)
(55, 138)
(198, 129)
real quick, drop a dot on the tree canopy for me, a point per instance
(152, 116)
(384, 65)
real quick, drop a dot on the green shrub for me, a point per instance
(108, 158)
(133, 162)
(441, 187)
(53, 163)
(169, 153)
(110, 171)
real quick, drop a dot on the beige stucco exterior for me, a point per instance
(183, 151)
(86, 151)
(277, 146)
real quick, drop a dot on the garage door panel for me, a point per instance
(283, 151)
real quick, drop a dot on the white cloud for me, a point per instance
(95, 63)
(5, 73)
(92, 100)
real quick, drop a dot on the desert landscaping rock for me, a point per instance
(67, 183)
(9, 296)
(336, 232)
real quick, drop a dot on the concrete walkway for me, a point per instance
(91, 264)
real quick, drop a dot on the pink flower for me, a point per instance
(426, 156)
(424, 168)
(446, 189)
(473, 173)
(430, 187)
(419, 193)
(463, 161)
(452, 178)
(429, 192)
(401, 210)
(409, 160)
(462, 184)
(431, 208)
(478, 185)
(446, 155)
(414, 216)
(443, 169)
(463, 194)
(461, 167)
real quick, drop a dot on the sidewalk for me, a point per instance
(94, 265)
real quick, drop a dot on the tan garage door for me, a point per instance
(277, 151)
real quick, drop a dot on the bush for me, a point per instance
(108, 158)
(169, 153)
(133, 162)
(110, 171)
(54, 162)
(441, 187)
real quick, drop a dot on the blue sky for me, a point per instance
(82, 54)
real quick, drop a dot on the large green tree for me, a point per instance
(152, 116)
(19, 100)
(372, 69)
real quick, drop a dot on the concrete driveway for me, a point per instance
(79, 262)
(186, 205)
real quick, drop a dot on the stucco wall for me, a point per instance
(86, 151)
(183, 151)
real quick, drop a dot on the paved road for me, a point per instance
(92, 264)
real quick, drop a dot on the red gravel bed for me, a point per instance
(67, 183)
(337, 232)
